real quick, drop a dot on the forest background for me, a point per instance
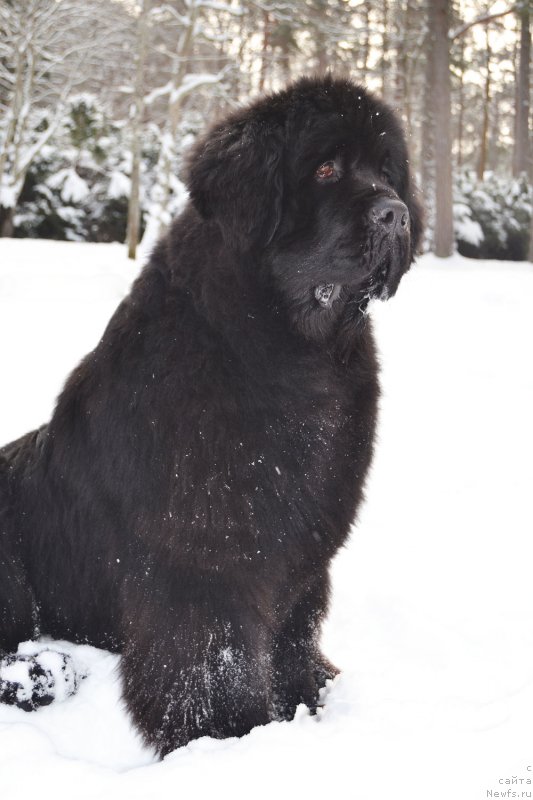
(100, 100)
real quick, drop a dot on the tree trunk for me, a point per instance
(427, 145)
(530, 254)
(461, 104)
(385, 50)
(366, 41)
(521, 145)
(410, 17)
(159, 216)
(6, 222)
(134, 204)
(265, 51)
(439, 22)
(399, 64)
(482, 162)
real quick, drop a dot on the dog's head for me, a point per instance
(315, 182)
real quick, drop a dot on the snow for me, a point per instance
(155, 94)
(466, 229)
(16, 672)
(73, 188)
(8, 194)
(119, 185)
(432, 603)
(191, 82)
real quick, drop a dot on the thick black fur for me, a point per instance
(205, 462)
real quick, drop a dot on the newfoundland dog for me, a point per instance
(205, 462)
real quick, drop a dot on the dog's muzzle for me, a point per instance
(389, 219)
(388, 247)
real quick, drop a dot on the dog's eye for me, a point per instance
(326, 171)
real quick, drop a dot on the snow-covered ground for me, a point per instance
(431, 620)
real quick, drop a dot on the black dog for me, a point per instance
(204, 463)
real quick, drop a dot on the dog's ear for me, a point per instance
(235, 177)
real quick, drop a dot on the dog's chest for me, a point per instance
(275, 470)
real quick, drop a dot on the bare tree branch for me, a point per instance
(482, 20)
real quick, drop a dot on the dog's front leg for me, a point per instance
(196, 665)
(299, 668)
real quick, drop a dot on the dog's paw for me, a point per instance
(31, 681)
(324, 671)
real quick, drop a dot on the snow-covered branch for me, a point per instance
(192, 82)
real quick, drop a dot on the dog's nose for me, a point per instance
(389, 215)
